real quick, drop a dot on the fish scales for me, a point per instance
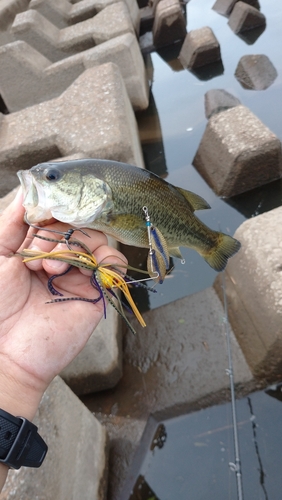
(110, 196)
(133, 188)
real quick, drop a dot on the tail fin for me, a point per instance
(218, 257)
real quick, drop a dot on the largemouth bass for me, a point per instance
(131, 204)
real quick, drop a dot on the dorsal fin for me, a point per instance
(196, 201)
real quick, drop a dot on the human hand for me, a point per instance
(37, 340)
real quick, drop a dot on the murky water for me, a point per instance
(172, 128)
(188, 457)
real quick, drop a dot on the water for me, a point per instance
(188, 457)
(178, 105)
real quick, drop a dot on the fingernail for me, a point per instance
(56, 264)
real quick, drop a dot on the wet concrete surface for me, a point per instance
(177, 364)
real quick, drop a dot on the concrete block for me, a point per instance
(217, 100)
(237, 152)
(200, 47)
(225, 7)
(93, 117)
(174, 366)
(178, 359)
(55, 44)
(8, 11)
(99, 365)
(8, 198)
(169, 24)
(28, 78)
(76, 463)
(134, 13)
(62, 13)
(254, 293)
(245, 17)
(255, 72)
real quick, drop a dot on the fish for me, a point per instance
(129, 203)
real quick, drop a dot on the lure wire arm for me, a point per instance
(151, 250)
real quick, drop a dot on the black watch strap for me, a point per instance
(20, 443)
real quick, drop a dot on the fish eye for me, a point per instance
(52, 174)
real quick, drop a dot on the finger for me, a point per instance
(93, 240)
(108, 255)
(12, 226)
(103, 254)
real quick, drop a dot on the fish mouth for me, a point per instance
(34, 200)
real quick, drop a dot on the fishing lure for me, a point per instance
(158, 256)
(105, 278)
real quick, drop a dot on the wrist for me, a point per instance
(20, 393)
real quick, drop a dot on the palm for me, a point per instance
(39, 338)
(68, 323)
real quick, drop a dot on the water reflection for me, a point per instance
(250, 37)
(151, 137)
(209, 71)
(194, 463)
(179, 124)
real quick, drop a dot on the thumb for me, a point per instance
(12, 227)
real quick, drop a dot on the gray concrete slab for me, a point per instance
(99, 365)
(245, 17)
(55, 44)
(76, 463)
(200, 47)
(180, 357)
(176, 364)
(93, 117)
(169, 23)
(8, 198)
(62, 13)
(254, 291)
(28, 78)
(237, 152)
(255, 72)
(8, 11)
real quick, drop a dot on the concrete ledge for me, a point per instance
(95, 105)
(99, 365)
(8, 11)
(76, 462)
(62, 13)
(28, 78)
(254, 291)
(237, 152)
(179, 358)
(55, 44)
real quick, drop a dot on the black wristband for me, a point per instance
(20, 444)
